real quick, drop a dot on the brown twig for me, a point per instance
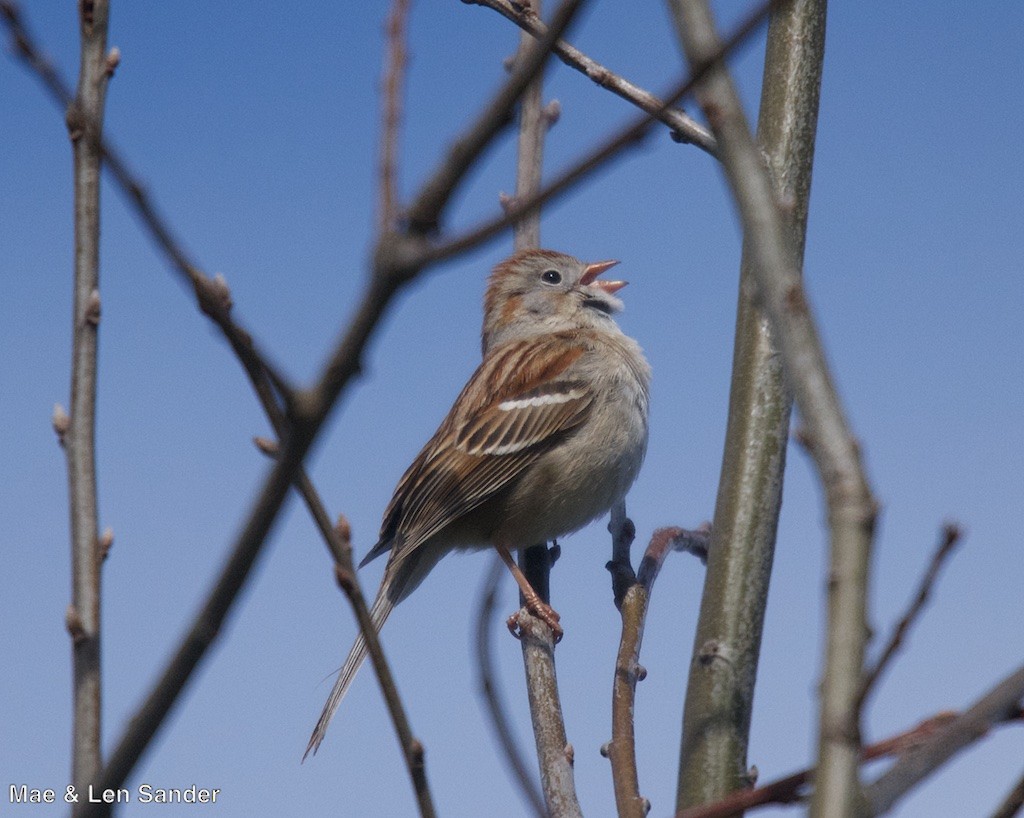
(494, 704)
(951, 535)
(1001, 703)
(720, 695)
(80, 438)
(792, 787)
(339, 539)
(684, 128)
(851, 506)
(391, 114)
(632, 595)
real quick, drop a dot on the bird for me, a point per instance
(546, 436)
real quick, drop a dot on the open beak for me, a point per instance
(594, 270)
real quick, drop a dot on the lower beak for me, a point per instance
(591, 273)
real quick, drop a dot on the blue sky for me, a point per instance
(256, 134)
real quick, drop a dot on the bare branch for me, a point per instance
(1002, 702)
(720, 696)
(553, 749)
(632, 596)
(631, 136)
(391, 114)
(494, 704)
(951, 534)
(851, 507)
(793, 787)
(684, 128)
(80, 437)
(339, 540)
(425, 212)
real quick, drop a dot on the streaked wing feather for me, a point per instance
(480, 449)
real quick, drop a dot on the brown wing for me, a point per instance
(516, 406)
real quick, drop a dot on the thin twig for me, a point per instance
(851, 507)
(720, 695)
(684, 128)
(793, 787)
(951, 534)
(632, 597)
(339, 538)
(423, 215)
(1013, 802)
(80, 438)
(391, 114)
(596, 159)
(1002, 702)
(494, 703)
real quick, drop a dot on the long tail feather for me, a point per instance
(382, 607)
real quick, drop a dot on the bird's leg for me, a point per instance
(534, 604)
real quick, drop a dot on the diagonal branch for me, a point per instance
(1002, 702)
(951, 534)
(684, 128)
(629, 137)
(793, 787)
(424, 213)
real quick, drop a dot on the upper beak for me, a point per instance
(594, 270)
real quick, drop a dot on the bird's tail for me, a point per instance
(382, 607)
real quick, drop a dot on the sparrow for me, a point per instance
(547, 435)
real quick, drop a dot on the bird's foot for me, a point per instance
(544, 612)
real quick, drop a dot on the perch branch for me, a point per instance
(494, 703)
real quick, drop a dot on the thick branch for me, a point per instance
(851, 508)
(719, 695)
(684, 128)
(80, 438)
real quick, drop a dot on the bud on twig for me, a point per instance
(269, 447)
(61, 422)
(113, 60)
(92, 309)
(105, 542)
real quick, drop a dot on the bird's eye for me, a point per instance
(551, 277)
